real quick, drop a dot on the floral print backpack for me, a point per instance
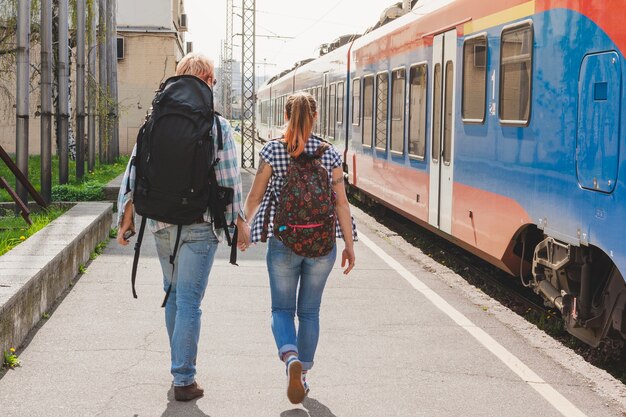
(305, 211)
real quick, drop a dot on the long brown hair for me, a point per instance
(301, 110)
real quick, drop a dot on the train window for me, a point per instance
(474, 79)
(332, 111)
(356, 102)
(436, 145)
(417, 111)
(340, 102)
(318, 99)
(382, 93)
(398, 88)
(516, 73)
(447, 123)
(368, 109)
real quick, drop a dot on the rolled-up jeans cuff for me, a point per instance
(307, 365)
(286, 348)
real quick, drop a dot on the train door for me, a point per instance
(442, 144)
(597, 144)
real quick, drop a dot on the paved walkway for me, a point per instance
(389, 347)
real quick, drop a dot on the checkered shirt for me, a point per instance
(275, 154)
(226, 172)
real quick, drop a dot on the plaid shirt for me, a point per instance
(275, 154)
(226, 172)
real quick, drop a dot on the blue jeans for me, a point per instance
(286, 270)
(194, 259)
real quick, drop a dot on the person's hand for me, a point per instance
(124, 233)
(127, 228)
(347, 256)
(243, 235)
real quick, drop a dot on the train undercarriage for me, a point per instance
(584, 284)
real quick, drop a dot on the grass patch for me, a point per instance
(90, 188)
(14, 230)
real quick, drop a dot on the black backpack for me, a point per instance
(175, 178)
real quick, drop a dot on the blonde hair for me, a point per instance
(196, 64)
(301, 110)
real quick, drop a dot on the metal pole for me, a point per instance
(248, 92)
(111, 58)
(228, 62)
(114, 87)
(102, 81)
(63, 82)
(46, 100)
(80, 88)
(22, 102)
(92, 94)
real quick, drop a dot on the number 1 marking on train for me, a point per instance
(493, 88)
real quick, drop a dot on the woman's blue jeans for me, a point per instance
(286, 271)
(194, 259)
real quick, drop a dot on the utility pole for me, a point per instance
(63, 83)
(111, 42)
(92, 93)
(103, 93)
(227, 71)
(46, 100)
(248, 93)
(80, 88)
(22, 102)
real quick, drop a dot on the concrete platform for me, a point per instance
(401, 336)
(34, 274)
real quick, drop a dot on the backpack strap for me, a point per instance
(220, 139)
(172, 259)
(137, 251)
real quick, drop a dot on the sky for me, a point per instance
(302, 25)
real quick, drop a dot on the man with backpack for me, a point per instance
(184, 179)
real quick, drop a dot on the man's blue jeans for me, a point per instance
(194, 259)
(286, 271)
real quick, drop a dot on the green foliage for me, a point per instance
(113, 233)
(99, 250)
(45, 316)
(81, 269)
(89, 191)
(14, 230)
(90, 188)
(10, 359)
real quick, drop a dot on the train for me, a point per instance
(497, 125)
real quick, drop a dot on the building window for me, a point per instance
(417, 110)
(382, 93)
(474, 79)
(356, 102)
(516, 63)
(398, 78)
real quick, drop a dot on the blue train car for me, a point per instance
(498, 126)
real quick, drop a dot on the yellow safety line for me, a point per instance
(496, 19)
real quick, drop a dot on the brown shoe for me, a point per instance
(188, 392)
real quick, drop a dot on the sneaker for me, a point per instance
(188, 392)
(305, 385)
(295, 388)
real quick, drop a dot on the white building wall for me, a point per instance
(145, 14)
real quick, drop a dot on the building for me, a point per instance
(151, 41)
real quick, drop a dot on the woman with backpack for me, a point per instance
(302, 206)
